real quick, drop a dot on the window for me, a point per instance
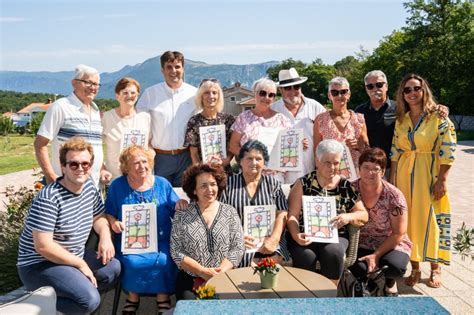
(232, 98)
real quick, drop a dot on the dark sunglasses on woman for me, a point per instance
(206, 80)
(264, 93)
(337, 92)
(409, 89)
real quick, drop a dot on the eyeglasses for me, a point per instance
(295, 87)
(264, 93)
(409, 89)
(208, 80)
(73, 165)
(371, 170)
(337, 92)
(89, 84)
(378, 85)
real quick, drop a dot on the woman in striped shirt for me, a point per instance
(251, 188)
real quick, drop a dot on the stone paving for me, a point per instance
(456, 293)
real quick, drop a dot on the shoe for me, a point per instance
(163, 306)
(413, 278)
(386, 288)
(130, 307)
(435, 278)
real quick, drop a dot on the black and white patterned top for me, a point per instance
(190, 236)
(346, 196)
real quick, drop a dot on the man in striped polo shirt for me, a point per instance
(74, 115)
(52, 245)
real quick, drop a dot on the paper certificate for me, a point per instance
(346, 167)
(285, 147)
(258, 222)
(213, 143)
(134, 136)
(317, 212)
(140, 233)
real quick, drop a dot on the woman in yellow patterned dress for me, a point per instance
(422, 153)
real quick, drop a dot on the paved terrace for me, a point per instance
(456, 294)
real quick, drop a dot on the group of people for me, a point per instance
(396, 211)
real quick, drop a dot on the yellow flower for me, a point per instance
(206, 292)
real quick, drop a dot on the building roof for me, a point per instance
(247, 102)
(34, 107)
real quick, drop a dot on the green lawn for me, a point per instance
(16, 154)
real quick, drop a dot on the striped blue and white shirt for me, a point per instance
(69, 117)
(67, 215)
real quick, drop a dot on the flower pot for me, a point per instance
(268, 280)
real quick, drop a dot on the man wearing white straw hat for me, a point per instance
(301, 111)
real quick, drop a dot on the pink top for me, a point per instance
(391, 203)
(329, 130)
(248, 125)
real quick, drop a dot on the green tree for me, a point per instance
(36, 122)
(6, 125)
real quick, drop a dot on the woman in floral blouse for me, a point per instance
(209, 99)
(383, 240)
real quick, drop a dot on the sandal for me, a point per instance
(435, 278)
(413, 278)
(130, 307)
(163, 306)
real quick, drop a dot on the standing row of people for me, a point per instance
(423, 150)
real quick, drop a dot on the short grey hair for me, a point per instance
(262, 83)
(338, 81)
(82, 70)
(375, 73)
(328, 146)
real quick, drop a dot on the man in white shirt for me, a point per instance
(171, 105)
(301, 111)
(75, 115)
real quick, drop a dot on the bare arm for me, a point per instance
(317, 136)
(189, 264)
(52, 251)
(194, 151)
(42, 156)
(270, 243)
(294, 207)
(106, 248)
(393, 173)
(358, 216)
(440, 187)
(234, 143)
(398, 222)
(363, 141)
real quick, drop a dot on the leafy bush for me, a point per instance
(464, 242)
(36, 123)
(6, 125)
(12, 222)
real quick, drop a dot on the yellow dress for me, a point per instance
(419, 152)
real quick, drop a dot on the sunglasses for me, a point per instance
(208, 80)
(263, 93)
(337, 92)
(378, 85)
(295, 87)
(73, 165)
(409, 89)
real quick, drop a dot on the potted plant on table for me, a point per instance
(268, 271)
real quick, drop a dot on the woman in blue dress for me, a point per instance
(151, 272)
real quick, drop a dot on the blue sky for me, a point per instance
(52, 35)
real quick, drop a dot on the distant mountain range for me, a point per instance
(147, 73)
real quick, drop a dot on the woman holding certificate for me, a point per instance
(210, 99)
(140, 208)
(207, 236)
(325, 182)
(340, 123)
(123, 126)
(249, 189)
(252, 124)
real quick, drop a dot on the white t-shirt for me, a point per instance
(114, 129)
(305, 120)
(170, 111)
(66, 118)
